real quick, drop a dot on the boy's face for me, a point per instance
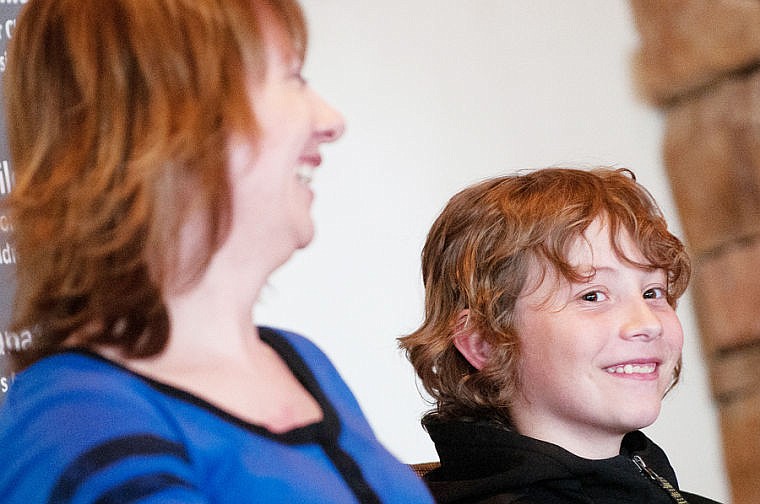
(596, 356)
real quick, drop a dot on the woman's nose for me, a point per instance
(330, 122)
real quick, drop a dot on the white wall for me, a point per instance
(438, 94)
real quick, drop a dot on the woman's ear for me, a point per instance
(470, 344)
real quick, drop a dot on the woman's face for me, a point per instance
(270, 178)
(596, 356)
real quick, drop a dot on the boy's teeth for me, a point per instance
(305, 173)
(632, 369)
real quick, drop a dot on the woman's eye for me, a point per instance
(593, 296)
(654, 293)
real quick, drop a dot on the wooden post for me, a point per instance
(699, 62)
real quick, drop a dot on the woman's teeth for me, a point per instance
(305, 174)
(632, 369)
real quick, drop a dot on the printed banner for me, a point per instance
(9, 10)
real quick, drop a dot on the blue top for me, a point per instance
(76, 427)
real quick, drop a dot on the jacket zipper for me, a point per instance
(659, 480)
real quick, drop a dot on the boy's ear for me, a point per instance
(470, 344)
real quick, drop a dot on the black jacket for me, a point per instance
(482, 463)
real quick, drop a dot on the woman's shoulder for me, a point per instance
(79, 419)
(286, 341)
(80, 387)
(305, 358)
(71, 372)
(70, 401)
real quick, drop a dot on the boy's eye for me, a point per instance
(654, 293)
(593, 296)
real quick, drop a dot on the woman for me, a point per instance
(550, 339)
(162, 174)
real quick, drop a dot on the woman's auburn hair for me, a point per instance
(478, 256)
(118, 114)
